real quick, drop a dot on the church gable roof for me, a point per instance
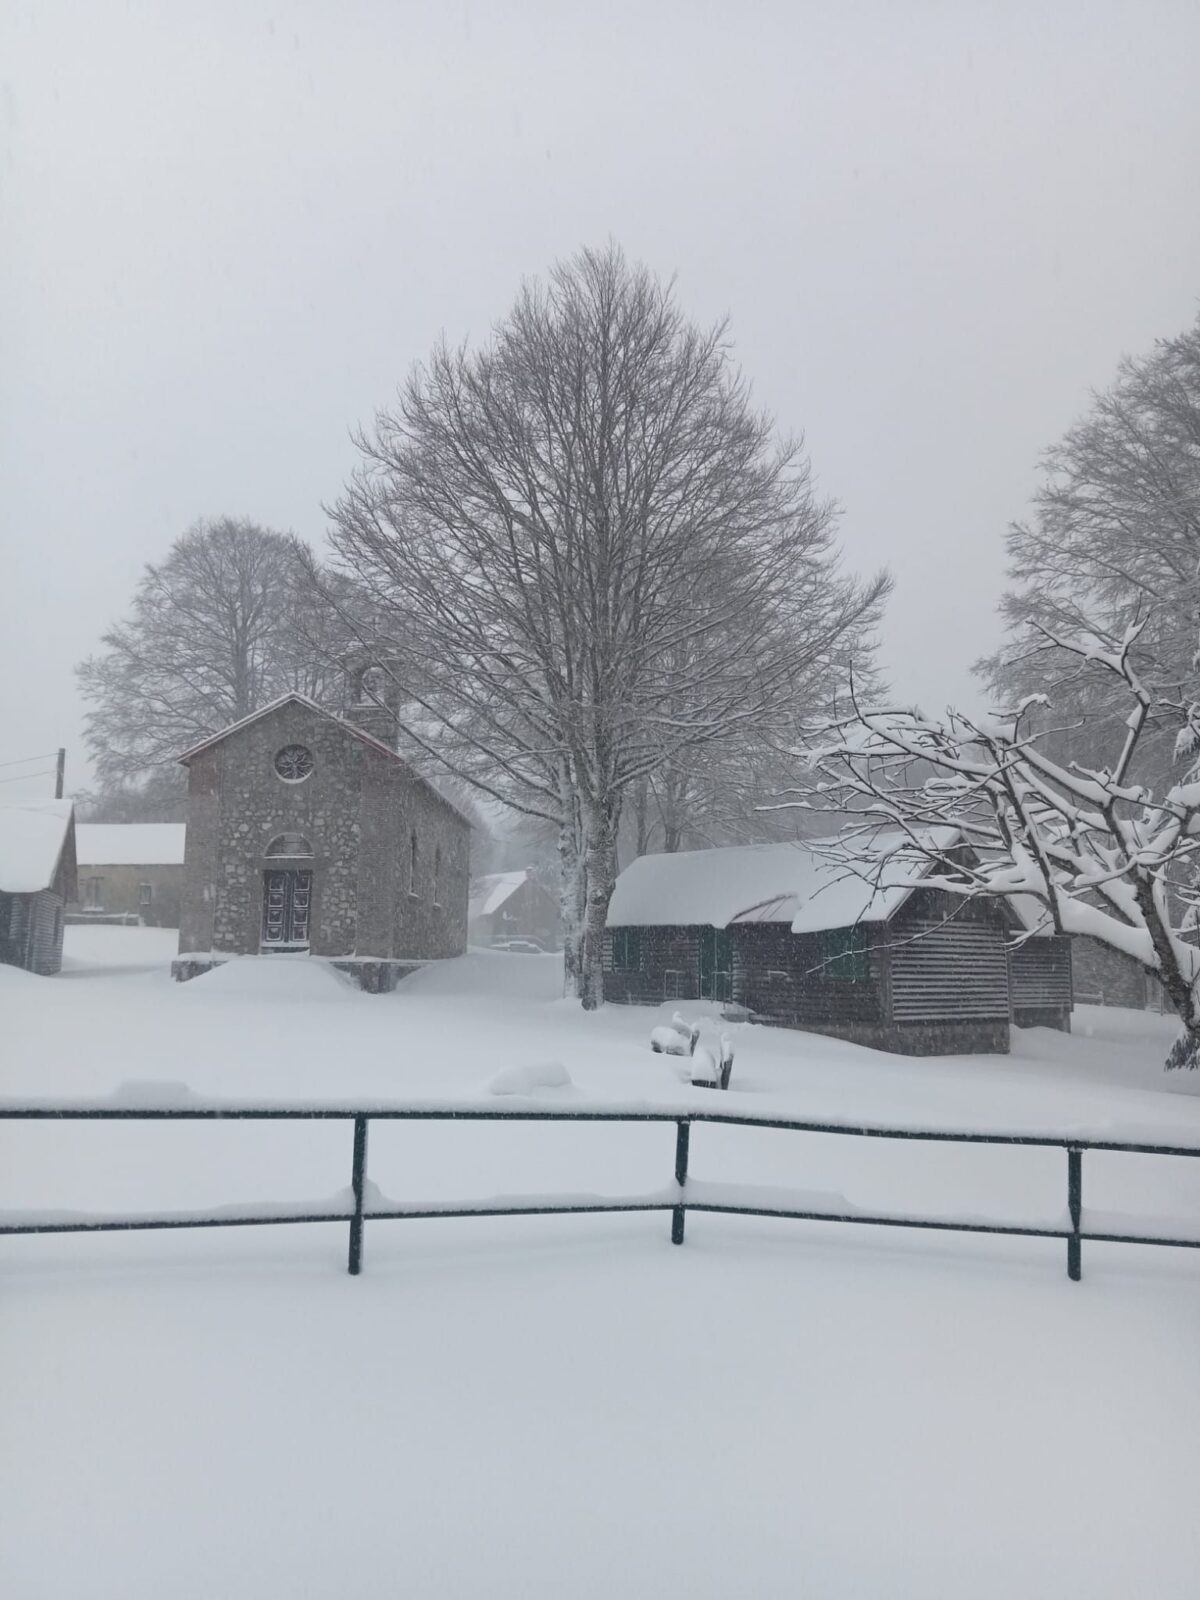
(295, 698)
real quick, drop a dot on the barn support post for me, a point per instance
(1075, 1206)
(682, 1135)
(358, 1180)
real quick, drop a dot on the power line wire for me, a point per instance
(24, 760)
(21, 777)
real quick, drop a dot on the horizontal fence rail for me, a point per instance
(362, 1203)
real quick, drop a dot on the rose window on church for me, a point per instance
(294, 762)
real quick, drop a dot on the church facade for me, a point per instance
(306, 832)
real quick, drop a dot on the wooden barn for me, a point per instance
(37, 878)
(798, 941)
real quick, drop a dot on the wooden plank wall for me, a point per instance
(668, 968)
(782, 975)
(949, 960)
(32, 931)
(1041, 972)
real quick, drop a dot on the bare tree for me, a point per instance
(217, 630)
(162, 797)
(597, 556)
(1113, 543)
(1105, 855)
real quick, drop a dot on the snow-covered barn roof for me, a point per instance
(130, 844)
(294, 698)
(33, 834)
(809, 886)
(490, 892)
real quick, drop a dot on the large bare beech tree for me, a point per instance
(1113, 542)
(215, 631)
(597, 556)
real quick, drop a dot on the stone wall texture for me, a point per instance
(360, 809)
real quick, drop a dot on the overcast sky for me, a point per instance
(228, 230)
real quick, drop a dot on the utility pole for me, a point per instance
(59, 773)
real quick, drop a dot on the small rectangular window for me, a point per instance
(145, 894)
(843, 955)
(626, 949)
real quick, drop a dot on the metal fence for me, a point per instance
(678, 1197)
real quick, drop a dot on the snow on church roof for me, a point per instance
(32, 836)
(490, 892)
(798, 884)
(130, 844)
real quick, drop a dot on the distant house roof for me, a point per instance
(33, 835)
(130, 844)
(295, 698)
(490, 892)
(800, 884)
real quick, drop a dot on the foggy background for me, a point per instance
(228, 230)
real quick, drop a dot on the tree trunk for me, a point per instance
(572, 887)
(643, 822)
(601, 860)
(1185, 1052)
(572, 891)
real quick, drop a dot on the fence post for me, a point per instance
(682, 1132)
(1075, 1206)
(357, 1183)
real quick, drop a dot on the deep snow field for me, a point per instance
(571, 1406)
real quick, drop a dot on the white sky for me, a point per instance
(226, 231)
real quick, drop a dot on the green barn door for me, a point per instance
(716, 964)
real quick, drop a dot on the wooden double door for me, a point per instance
(287, 905)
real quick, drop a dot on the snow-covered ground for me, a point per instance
(570, 1406)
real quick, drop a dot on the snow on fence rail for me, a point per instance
(363, 1201)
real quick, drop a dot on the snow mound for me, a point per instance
(281, 977)
(490, 972)
(18, 976)
(153, 1094)
(527, 1080)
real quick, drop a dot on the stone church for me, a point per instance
(307, 833)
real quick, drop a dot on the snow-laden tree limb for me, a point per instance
(1104, 857)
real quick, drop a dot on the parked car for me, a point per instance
(518, 947)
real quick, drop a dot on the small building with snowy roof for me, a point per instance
(37, 878)
(511, 905)
(129, 872)
(307, 833)
(800, 938)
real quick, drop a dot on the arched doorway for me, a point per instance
(287, 894)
